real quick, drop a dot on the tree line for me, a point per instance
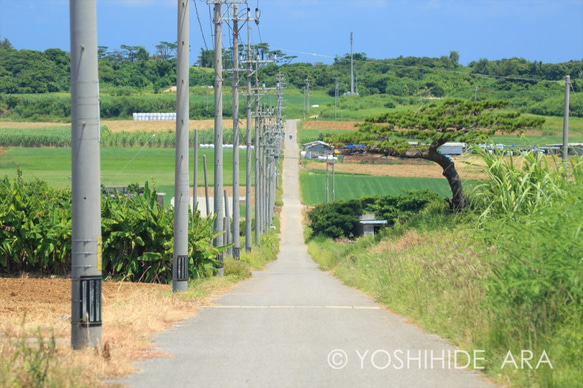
(133, 70)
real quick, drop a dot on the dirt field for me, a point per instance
(376, 166)
(132, 313)
(339, 125)
(127, 125)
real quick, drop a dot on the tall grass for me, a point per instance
(521, 185)
(531, 215)
(504, 276)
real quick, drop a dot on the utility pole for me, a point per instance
(566, 121)
(181, 191)
(218, 184)
(304, 105)
(86, 194)
(307, 96)
(351, 67)
(336, 98)
(195, 175)
(327, 176)
(248, 215)
(333, 177)
(236, 208)
(258, 150)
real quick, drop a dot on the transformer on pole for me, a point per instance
(181, 180)
(86, 194)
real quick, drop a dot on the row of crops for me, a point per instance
(137, 234)
(61, 137)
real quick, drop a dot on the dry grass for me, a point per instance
(132, 313)
(410, 239)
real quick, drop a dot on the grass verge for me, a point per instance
(437, 272)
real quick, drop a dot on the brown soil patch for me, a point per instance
(27, 125)
(350, 125)
(389, 166)
(330, 125)
(132, 313)
(157, 126)
(126, 125)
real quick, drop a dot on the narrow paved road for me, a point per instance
(296, 326)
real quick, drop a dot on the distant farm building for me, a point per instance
(452, 148)
(317, 149)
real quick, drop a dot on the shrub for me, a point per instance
(340, 218)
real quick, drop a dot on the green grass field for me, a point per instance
(349, 186)
(531, 140)
(119, 166)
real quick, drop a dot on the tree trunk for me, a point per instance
(458, 200)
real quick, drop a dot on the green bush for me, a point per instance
(340, 218)
(137, 233)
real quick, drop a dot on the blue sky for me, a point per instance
(318, 30)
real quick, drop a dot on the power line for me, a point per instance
(200, 25)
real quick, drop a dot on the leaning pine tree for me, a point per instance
(419, 134)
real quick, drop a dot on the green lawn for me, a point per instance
(531, 140)
(348, 186)
(119, 166)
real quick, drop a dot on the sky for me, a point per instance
(550, 31)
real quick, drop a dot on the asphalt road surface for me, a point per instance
(296, 326)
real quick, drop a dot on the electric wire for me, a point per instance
(132, 159)
(200, 25)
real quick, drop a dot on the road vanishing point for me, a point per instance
(294, 325)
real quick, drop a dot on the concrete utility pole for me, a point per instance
(566, 120)
(181, 188)
(236, 208)
(195, 175)
(218, 184)
(327, 177)
(248, 214)
(307, 95)
(86, 194)
(258, 150)
(304, 105)
(351, 67)
(206, 186)
(335, 98)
